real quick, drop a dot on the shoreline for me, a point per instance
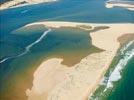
(20, 3)
(77, 79)
(123, 4)
(103, 87)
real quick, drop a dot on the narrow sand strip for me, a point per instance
(18, 3)
(122, 4)
(54, 81)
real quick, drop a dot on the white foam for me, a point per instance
(27, 49)
(116, 75)
(4, 59)
(125, 47)
(34, 43)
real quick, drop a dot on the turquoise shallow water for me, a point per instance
(65, 43)
(12, 44)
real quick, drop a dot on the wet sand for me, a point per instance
(55, 81)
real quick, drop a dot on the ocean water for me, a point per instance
(125, 88)
(17, 67)
(23, 50)
(66, 10)
(118, 82)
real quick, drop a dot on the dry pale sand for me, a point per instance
(123, 5)
(17, 3)
(54, 81)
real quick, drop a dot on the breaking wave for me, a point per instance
(116, 73)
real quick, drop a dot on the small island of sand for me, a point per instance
(124, 4)
(17, 3)
(55, 81)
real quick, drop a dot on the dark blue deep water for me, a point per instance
(92, 11)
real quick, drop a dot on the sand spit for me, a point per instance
(18, 3)
(54, 81)
(124, 4)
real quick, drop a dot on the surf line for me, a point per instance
(27, 48)
(116, 74)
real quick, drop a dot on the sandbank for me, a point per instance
(123, 4)
(54, 81)
(18, 3)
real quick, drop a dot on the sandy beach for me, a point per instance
(18, 3)
(126, 5)
(54, 81)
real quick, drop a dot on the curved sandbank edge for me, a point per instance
(19, 3)
(126, 5)
(54, 81)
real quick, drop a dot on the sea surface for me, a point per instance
(21, 51)
(118, 82)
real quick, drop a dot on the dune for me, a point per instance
(54, 81)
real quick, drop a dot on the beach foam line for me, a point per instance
(27, 49)
(93, 65)
(5, 59)
(126, 46)
(116, 75)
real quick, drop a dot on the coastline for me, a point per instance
(78, 77)
(114, 73)
(123, 4)
(19, 3)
